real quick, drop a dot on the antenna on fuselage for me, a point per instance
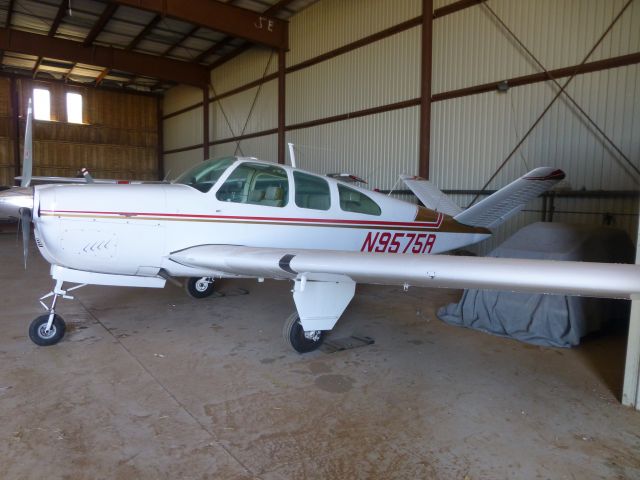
(292, 155)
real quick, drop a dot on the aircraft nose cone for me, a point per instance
(14, 199)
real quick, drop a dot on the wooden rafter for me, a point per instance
(10, 9)
(7, 24)
(143, 33)
(34, 71)
(113, 58)
(182, 39)
(215, 48)
(104, 18)
(261, 28)
(272, 10)
(62, 12)
(100, 77)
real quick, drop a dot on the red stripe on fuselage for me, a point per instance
(435, 223)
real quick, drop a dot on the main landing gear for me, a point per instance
(48, 329)
(298, 339)
(199, 287)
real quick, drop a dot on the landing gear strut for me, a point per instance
(298, 339)
(199, 287)
(49, 329)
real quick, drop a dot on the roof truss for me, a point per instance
(235, 21)
(112, 58)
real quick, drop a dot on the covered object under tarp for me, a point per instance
(549, 320)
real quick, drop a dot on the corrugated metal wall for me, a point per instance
(378, 74)
(470, 135)
(264, 148)
(329, 24)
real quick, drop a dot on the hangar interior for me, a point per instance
(470, 94)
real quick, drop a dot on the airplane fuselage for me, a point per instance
(132, 229)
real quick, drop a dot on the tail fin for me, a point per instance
(495, 209)
(431, 196)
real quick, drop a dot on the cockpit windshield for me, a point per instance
(204, 175)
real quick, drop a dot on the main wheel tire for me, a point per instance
(39, 336)
(295, 335)
(198, 287)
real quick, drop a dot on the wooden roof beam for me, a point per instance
(104, 18)
(7, 23)
(34, 71)
(62, 12)
(239, 22)
(112, 58)
(213, 49)
(272, 10)
(144, 32)
(100, 77)
(182, 39)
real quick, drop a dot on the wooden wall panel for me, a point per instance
(119, 138)
(7, 168)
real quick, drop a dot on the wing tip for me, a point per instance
(546, 173)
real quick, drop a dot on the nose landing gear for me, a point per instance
(48, 329)
(43, 334)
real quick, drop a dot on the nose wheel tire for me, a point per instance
(199, 287)
(298, 339)
(38, 330)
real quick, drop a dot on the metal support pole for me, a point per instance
(205, 122)
(631, 387)
(425, 87)
(281, 104)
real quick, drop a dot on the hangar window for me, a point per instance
(41, 104)
(353, 201)
(256, 184)
(74, 107)
(311, 191)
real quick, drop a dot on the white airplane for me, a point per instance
(242, 217)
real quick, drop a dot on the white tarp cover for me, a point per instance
(548, 320)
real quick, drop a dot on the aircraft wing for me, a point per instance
(518, 275)
(39, 180)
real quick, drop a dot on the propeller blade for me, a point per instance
(27, 158)
(25, 225)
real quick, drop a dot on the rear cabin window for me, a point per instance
(256, 184)
(353, 201)
(311, 191)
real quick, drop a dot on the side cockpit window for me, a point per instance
(311, 191)
(256, 184)
(353, 201)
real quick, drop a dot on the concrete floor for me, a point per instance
(152, 384)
